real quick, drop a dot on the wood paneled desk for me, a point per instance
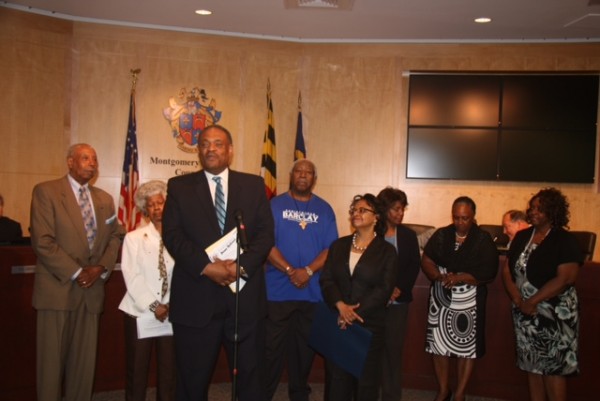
(495, 375)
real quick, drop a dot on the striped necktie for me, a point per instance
(88, 216)
(220, 203)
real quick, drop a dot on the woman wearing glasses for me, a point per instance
(460, 260)
(357, 281)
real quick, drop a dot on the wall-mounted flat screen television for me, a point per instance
(502, 127)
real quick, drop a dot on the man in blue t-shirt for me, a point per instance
(305, 227)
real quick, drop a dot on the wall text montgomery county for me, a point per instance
(182, 166)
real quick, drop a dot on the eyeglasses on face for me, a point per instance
(360, 210)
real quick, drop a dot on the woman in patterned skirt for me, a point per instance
(539, 276)
(460, 260)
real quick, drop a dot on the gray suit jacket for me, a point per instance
(60, 244)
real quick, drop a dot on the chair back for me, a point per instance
(497, 232)
(587, 243)
(424, 232)
(419, 228)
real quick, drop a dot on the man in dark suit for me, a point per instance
(202, 305)
(75, 255)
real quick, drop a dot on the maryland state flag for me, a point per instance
(299, 148)
(129, 215)
(268, 165)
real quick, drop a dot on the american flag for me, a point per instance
(268, 166)
(129, 215)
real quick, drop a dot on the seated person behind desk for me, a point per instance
(514, 221)
(10, 230)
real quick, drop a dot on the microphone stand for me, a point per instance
(234, 370)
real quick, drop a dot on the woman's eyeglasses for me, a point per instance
(360, 210)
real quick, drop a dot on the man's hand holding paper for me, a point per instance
(222, 272)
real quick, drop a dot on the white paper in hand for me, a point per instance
(226, 248)
(149, 326)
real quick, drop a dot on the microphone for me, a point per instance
(241, 229)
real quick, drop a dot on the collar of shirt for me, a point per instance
(75, 187)
(213, 185)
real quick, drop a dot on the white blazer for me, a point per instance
(139, 264)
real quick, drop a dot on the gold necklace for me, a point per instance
(302, 219)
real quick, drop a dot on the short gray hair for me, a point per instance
(516, 215)
(75, 147)
(304, 161)
(150, 188)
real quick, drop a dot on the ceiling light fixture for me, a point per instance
(337, 5)
(203, 12)
(318, 3)
(483, 20)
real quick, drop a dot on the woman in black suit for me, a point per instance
(394, 202)
(357, 280)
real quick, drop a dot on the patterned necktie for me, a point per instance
(88, 216)
(220, 203)
(162, 269)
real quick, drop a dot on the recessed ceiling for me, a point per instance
(351, 21)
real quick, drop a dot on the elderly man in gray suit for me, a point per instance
(76, 238)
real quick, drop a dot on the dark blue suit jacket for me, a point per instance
(190, 225)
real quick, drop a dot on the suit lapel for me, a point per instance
(101, 215)
(72, 209)
(202, 191)
(233, 202)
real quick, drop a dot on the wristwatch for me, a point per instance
(309, 271)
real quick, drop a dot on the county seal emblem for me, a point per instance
(188, 114)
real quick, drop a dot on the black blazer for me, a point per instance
(559, 246)
(408, 262)
(371, 284)
(190, 225)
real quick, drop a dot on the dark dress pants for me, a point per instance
(197, 350)
(288, 329)
(395, 332)
(138, 353)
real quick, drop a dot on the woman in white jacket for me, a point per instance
(147, 268)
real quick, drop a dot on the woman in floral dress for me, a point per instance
(539, 277)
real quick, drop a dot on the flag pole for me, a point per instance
(134, 77)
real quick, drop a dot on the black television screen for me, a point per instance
(563, 156)
(454, 100)
(451, 153)
(503, 127)
(564, 102)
